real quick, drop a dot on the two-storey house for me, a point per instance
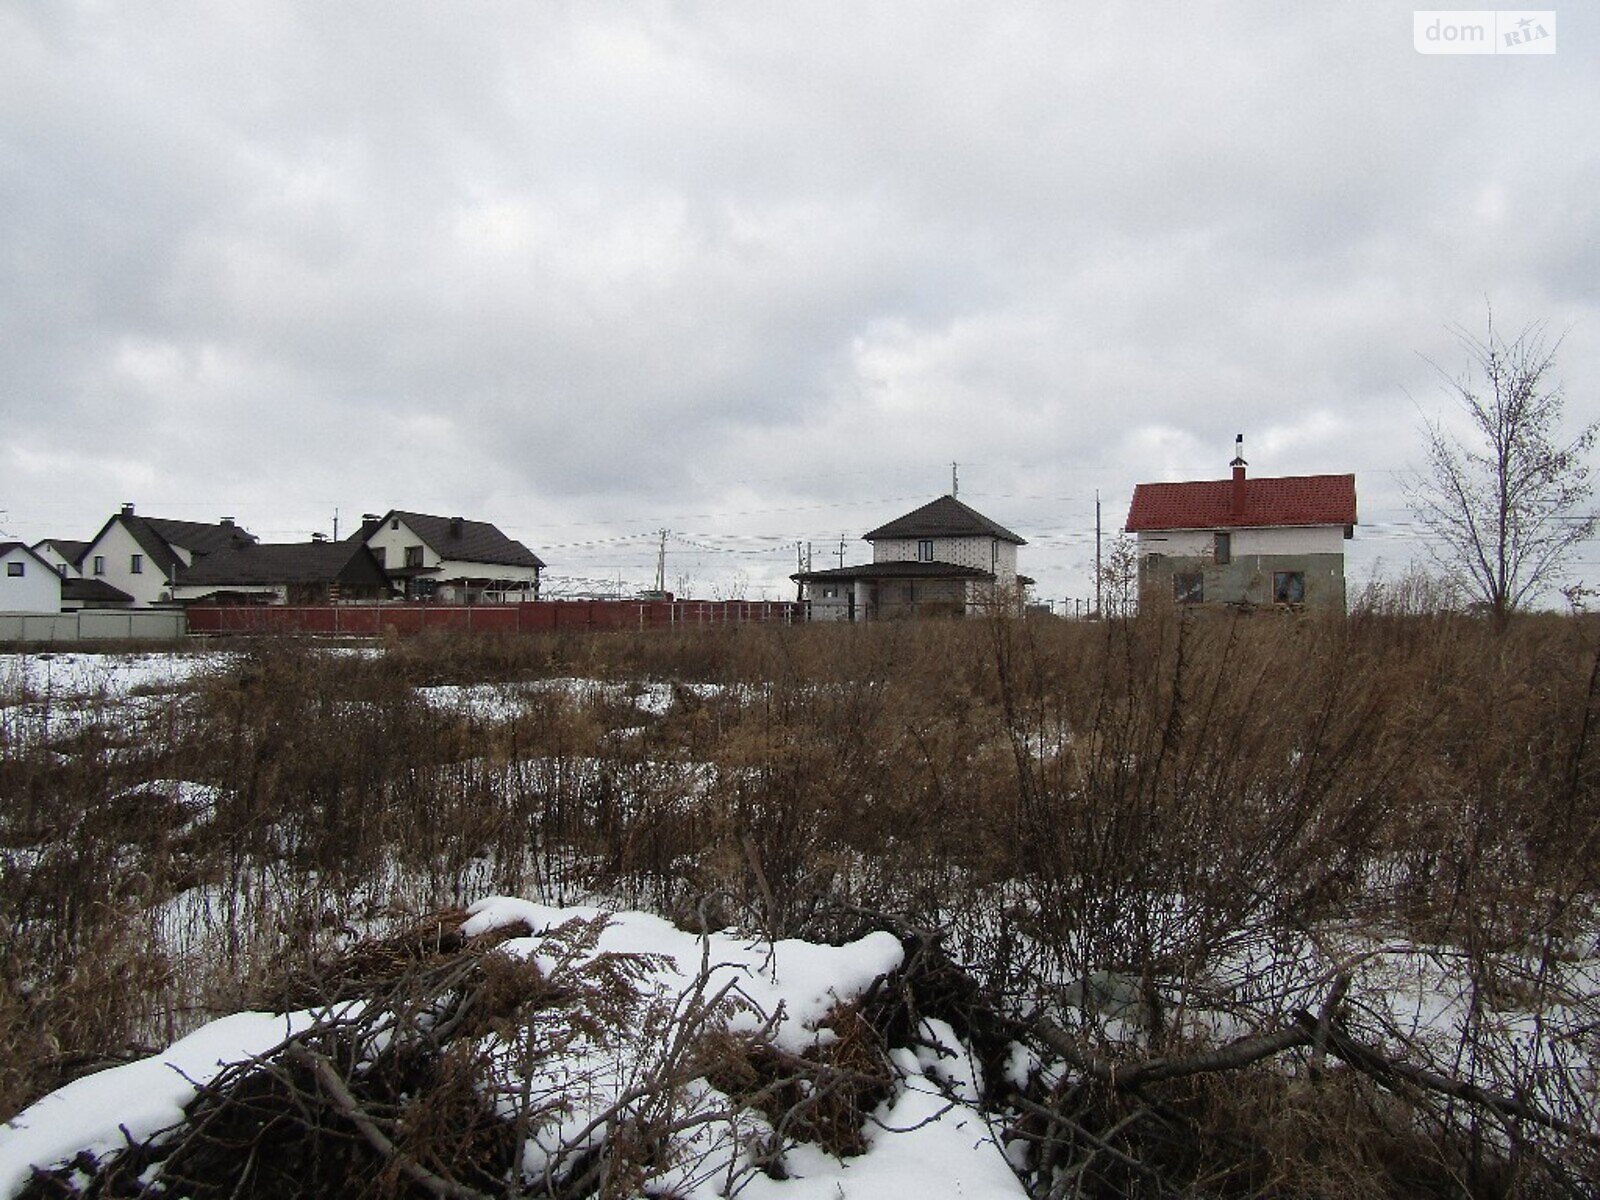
(450, 559)
(943, 559)
(1244, 543)
(143, 556)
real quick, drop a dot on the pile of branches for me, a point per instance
(1302, 1106)
(452, 1070)
(449, 1069)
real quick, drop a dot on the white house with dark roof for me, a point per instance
(943, 559)
(28, 582)
(450, 559)
(143, 556)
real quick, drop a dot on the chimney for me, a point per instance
(455, 526)
(127, 509)
(1238, 464)
(319, 537)
(369, 524)
(226, 522)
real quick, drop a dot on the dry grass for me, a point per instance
(1041, 789)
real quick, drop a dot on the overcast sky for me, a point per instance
(758, 273)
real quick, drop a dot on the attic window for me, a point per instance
(16, 570)
(99, 564)
(925, 550)
(413, 556)
(136, 564)
(395, 524)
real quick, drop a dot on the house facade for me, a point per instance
(28, 582)
(943, 559)
(1244, 543)
(450, 559)
(143, 556)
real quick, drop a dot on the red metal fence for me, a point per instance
(372, 620)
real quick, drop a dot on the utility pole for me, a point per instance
(661, 566)
(1097, 576)
(841, 551)
(336, 522)
(955, 483)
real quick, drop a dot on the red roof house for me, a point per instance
(1242, 503)
(1244, 542)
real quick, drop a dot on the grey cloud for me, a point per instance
(595, 267)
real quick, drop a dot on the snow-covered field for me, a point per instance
(68, 675)
(494, 702)
(50, 696)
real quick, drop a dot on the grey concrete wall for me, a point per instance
(94, 625)
(1246, 580)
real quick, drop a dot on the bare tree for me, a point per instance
(1119, 579)
(1507, 503)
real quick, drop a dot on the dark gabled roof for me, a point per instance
(269, 564)
(944, 517)
(1208, 504)
(467, 541)
(196, 536)
(895, 570)
(157, 536)
(93, 591)
(69, 548)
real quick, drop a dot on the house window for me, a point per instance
(1189, 588)
(15, 570)
(1223, 549)
(99, 564)
(925, 551)
(136, 564)
(1289, 587)
(377, 553)
(413, 556)
(830, 593)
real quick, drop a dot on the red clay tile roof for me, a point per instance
(1208, 503)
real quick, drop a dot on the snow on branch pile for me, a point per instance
(514, 1049)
